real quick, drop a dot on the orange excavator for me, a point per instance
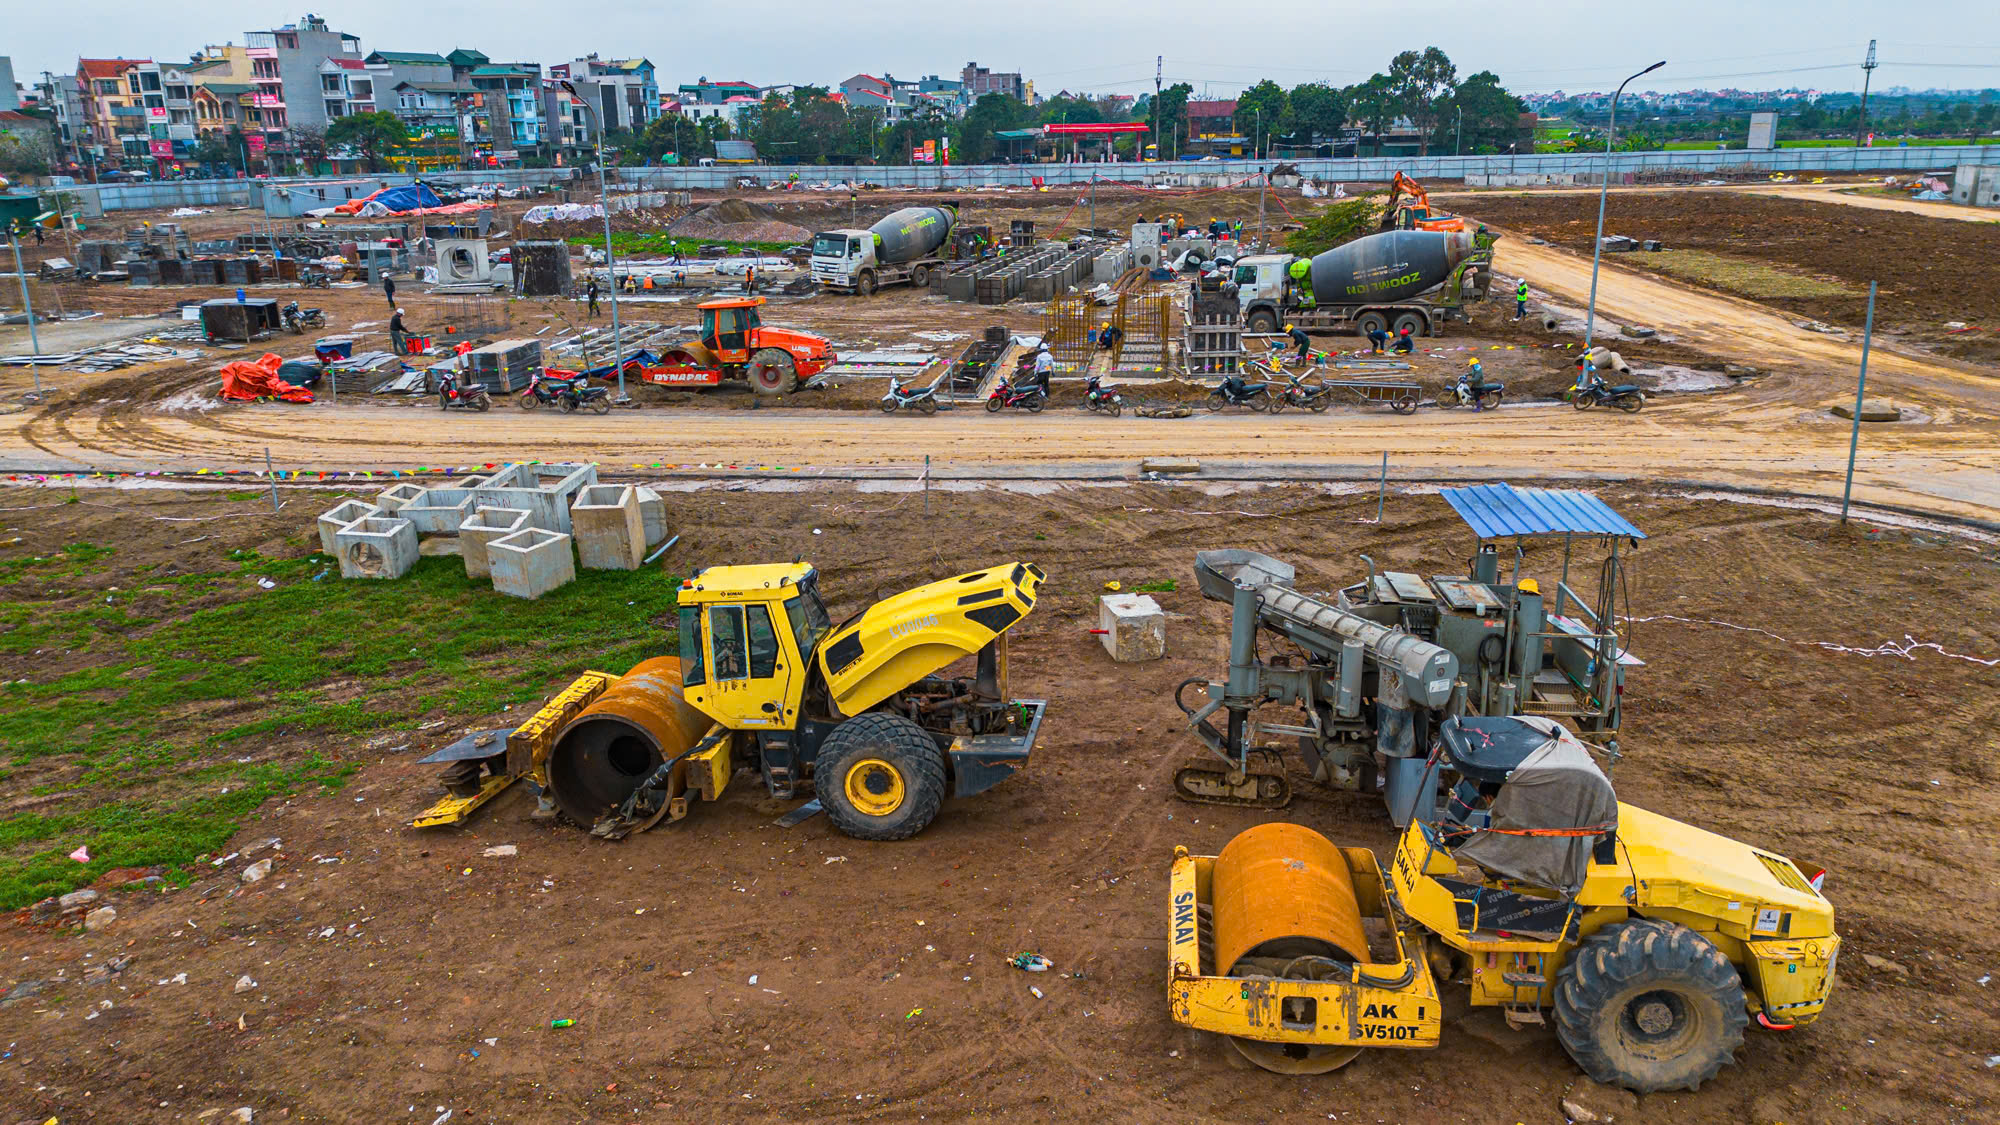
(1415, 212)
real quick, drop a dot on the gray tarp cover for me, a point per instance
(1557, 786)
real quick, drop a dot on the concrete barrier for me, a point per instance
(531, 562)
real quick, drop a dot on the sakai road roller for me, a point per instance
(1653, 942)
(861, 714)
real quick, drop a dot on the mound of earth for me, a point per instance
(738, 220)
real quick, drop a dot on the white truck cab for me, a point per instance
(839, 256)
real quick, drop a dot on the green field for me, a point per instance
(659, 245)
(181, 702)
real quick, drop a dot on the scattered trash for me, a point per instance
(1983, 980)
(242, 1114)
(82, 853)
(1037, 992)
(753, 978)
(244, 983)
(501, 851)
(256, 871)
(267, 584)
(913, 1013)
(834, 859)
(562, 1023)
(443, 1117)
(1113, 586)
(1031, 962)
(491, 1042)
(1992, 1061)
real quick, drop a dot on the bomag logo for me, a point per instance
(914, 624)
(1183, 917)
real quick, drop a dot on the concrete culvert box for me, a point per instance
(486, 525)
(610, 532)
(339, 516)
(377, 547)
(531, 562)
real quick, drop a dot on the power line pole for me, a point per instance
(1867, 73)
(1159, 62)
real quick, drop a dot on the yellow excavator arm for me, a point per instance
(914, 634)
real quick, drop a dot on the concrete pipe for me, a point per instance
(619, 740)
(1549, 322)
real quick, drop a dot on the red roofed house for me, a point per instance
(113, 109)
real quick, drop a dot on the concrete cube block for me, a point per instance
(339, 516)
(482, 528)
(610, 532)
(544, 490)
(1135, 627)
(436, 514)
(653, 513)
(531, 562)
(376, 547)
(394, 498)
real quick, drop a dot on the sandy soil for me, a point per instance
(725, 969)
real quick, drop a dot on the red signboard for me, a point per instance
(254, 142)
(683, 375)
(161, 148)
(919, 156)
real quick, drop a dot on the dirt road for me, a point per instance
(1843, 193)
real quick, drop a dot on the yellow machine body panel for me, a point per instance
(1755, 906)
(902, 639)
(747, 672)
(1394, 1004)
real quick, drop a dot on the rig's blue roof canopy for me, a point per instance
(1501, 511)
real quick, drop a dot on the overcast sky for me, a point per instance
(1100, 45)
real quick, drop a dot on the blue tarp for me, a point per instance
(408, 197)
(608, 371)
(1496, 511)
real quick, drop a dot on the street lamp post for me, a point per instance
(610, 271)
(1597, 247)
(28, 303)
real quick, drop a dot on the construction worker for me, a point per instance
(1378, 338)
(389, 289)
(1521, 299)
(1108, 336)
(590, 295)
(398, 335)
(1404, 344)
(1045, 366)
(1475, 381)
(1300, 338)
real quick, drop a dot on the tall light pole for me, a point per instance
(610, 272)
(28, 303)
(1597, 247)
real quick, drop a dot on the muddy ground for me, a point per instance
(723, 968)
(1930, 271)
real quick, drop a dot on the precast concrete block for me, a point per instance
(531, 562)
(482, 528)
(434, 513)
(377, 547)
(609, 529)
(339, 516)
(1135, 627)
(394, 498)
(653, 513)
(544, 490)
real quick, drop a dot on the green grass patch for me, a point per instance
(1742, 275)
(1162, 586)
(658, 244)
(155, 735)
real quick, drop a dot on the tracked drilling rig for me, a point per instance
(1372, 670)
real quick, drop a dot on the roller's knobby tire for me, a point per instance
(773, 371)
(1630, 971)
(904, 747)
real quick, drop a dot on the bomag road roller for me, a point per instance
(861, 714)
(1655, 943)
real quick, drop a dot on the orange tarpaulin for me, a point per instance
(244, 381)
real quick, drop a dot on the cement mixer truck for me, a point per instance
(906, 246)
(1415, 279)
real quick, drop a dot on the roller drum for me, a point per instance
(1283, 891)
(614, 744)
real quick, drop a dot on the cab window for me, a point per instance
(725, 638)
(729, 329)
(693, 669)
(1246, 275)
(763, 644)
(809, 618)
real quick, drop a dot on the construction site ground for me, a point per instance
(726, 968)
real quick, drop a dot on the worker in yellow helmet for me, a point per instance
(1300, 338)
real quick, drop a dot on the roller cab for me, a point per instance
(1270, 945)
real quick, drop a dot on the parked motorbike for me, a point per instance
(1315, 397)
(1593, 392)
(1097, 397)
(1461, 394)
(923, 399)
(315, 279)
(298, 319)
(542, 390)
(1027, 396)
(1235, 392)
(580, 395)
(471, 396)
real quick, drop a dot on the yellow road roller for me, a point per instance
(1653, 942)
(866, 714)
